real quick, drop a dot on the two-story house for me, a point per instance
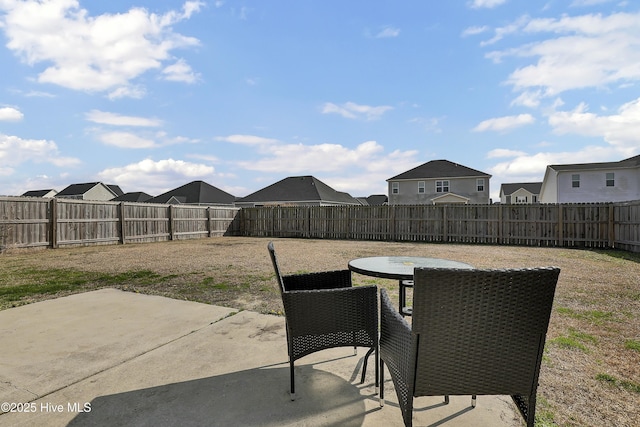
(520, 192)
(592, 182)
(297, 191)
(439, 181)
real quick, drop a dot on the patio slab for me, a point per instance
(109, 358)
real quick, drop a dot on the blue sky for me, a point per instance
(152, 94)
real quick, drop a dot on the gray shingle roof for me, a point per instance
(439, 169)
(196, 192)
(626, 163)
(531, 187)
(77, 189)
(299, 189)
(137, 196)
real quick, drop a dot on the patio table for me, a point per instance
(400, 268)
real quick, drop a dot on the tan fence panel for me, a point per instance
(24, 222)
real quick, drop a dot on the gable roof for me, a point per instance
(374, 200)
(39, 193)
(439, 169)
(77, 189)
(195, 192)
(622, 164)
(299, 189)
(531, 187)
(136, 196)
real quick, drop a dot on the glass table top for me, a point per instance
(399, 267)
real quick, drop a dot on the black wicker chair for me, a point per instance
(323, 310)
(473, 332)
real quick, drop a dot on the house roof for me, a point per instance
(626, 163)
(374, 200)
(38, 193)
(299, 189)
(196, 192)
(76, 189)
(137, 196)
(531, 187)
(439, 169)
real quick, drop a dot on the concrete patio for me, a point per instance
(113, 358)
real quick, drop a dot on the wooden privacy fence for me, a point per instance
(33, 222)
(603, 225)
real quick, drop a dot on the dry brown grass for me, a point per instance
(591, 372)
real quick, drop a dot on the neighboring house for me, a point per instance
(90, 191)
(135, 196)
(374, 200)
(297, 191)
(195, 193)
(520, 192)
(592, 182)
(41, 193)
(439, 181)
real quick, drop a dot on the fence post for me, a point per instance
(560, 226)
(612, 228)
(209, 231)
(171, 225)
(123, 238)
(445, 225)
(53, 223)
(392, 222)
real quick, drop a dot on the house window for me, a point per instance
(521, 199)
(611, 182)
(442, 186)
(575, 180)
(480, 184)
(395, 187)
(534, 199)
(421, 187)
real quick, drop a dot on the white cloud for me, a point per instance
(180, 72)
(157, 176)
(246, 139)
(10, 114)
(528, 98)
(126, 140)
(620, 130)
(504, 123)
(489, 4)
(114, 119)
(15, 150)
(91, 53)
(504, 152)
(472, 31)
(351, 110)
(388, 32)
(580, 52)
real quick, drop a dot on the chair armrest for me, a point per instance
(320, 280)
(396, 348)
(332, 310)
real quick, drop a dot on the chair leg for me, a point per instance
(364, 365)
(381, 395)
(446, 400)
(293, 382)
(473, 401)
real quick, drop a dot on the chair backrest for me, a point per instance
(480, 331)
(274, 261)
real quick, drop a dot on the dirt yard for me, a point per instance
(591, 372)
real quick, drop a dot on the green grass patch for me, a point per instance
(34, 282)
(575, 340)
(597, 317)
(627, 385)
(632, 345)
(544, 414)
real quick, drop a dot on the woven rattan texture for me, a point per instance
(478, 332)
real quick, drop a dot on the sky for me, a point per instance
(153, 94)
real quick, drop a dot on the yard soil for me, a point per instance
(590, 374)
